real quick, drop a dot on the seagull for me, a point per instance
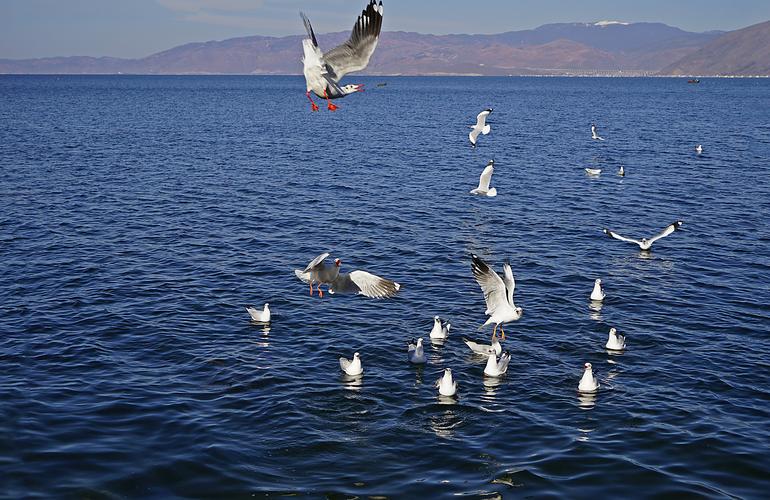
(621, 172)
(446, 385)
(360, 282)
(495, 367)
(597, 294)
(498, 294)
(486, 176)
(323, 71)
(594, 133)
(416, 353)
(353, 366)
(616, 341)
(481, 126)
(588, 383)
(593, 171)
(645, 243)
(485, 349)
(698, 149)
(262, 316)
(440, 330)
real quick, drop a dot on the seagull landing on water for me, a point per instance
(645, 243)
(323, 71)
(262, 316)
(484, 180)
(360, 282)
(481, 126)
(594, 133)
(498, 294)
(588, 383)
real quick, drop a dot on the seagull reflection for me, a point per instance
(596, 307)
(352, 382)
(264, 339)
(584, 435)
(587, 400)
(646, 254)
(490, 388)
(447, 400)
(443, 424)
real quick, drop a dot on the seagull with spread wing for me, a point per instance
(481, 126)
(498, 294)
(360, 282)
(323, 71)
(486, 177)
(645, 243)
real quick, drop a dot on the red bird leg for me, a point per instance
(314, 107)
(320, 292)
(332, 107)
(311, 288)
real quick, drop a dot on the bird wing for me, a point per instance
(491, 284)
(344, 363)
(364, 283)
(486, 177)
(481, 119)
(473, 135)
(354, 54)
(615, 235)
(309, 29)
(510, 283)
(502, 365)
(316, 262)
(668, 230)
(304, 276)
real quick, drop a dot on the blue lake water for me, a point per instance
(139, 215)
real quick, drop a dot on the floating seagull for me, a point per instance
(485, 349)
(357, 281)
(645, 243)
(621, 172)
(495, 367)
(594, 133)
(481, 126)
(446, 385)
(353, 366)
(262, 316)
(588, 383)
(416, 353)
(498, 294)
(616, 341)
(486, 176)
(593, 171)
(323, 71)
(597, 294)
(698, 149)
(440, 330)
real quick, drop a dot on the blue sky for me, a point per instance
(136, 28)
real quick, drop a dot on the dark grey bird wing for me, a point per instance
(354, 54)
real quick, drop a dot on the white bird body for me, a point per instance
(616, 341)
(446, 384)
(360, 282)
(353, 366)
(262, 316)
(417, 353)
(593, 171)
(588, 382)
(481, 126)
(440, 329)
(495, 367)
(595, 133)
(597, 294)
(485, 349)
(622, 171)
(484, 180)
(644, 243)
(498, 293)
(323, 71)
(698, 149)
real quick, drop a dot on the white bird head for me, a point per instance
(519, 311)
(436, 319)
(598, 282)
(613, 331)
(587, 366)
(337, 262)
(349, 89)
(356, 355)
(419, 342)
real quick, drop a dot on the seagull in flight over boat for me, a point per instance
(498, 294)
(262, 316)
(595, 134)
(361, 282)
(323, 71)
(481, 127)
(486, 177)
(645, 243)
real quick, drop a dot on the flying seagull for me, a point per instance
(323, 71)
(481, 126)
(498, 294)
(486, 177)
(595, 134)
(645, 243)
(360, 282)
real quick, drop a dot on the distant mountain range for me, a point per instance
(605, 47)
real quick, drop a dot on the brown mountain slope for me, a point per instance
(743, 52)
